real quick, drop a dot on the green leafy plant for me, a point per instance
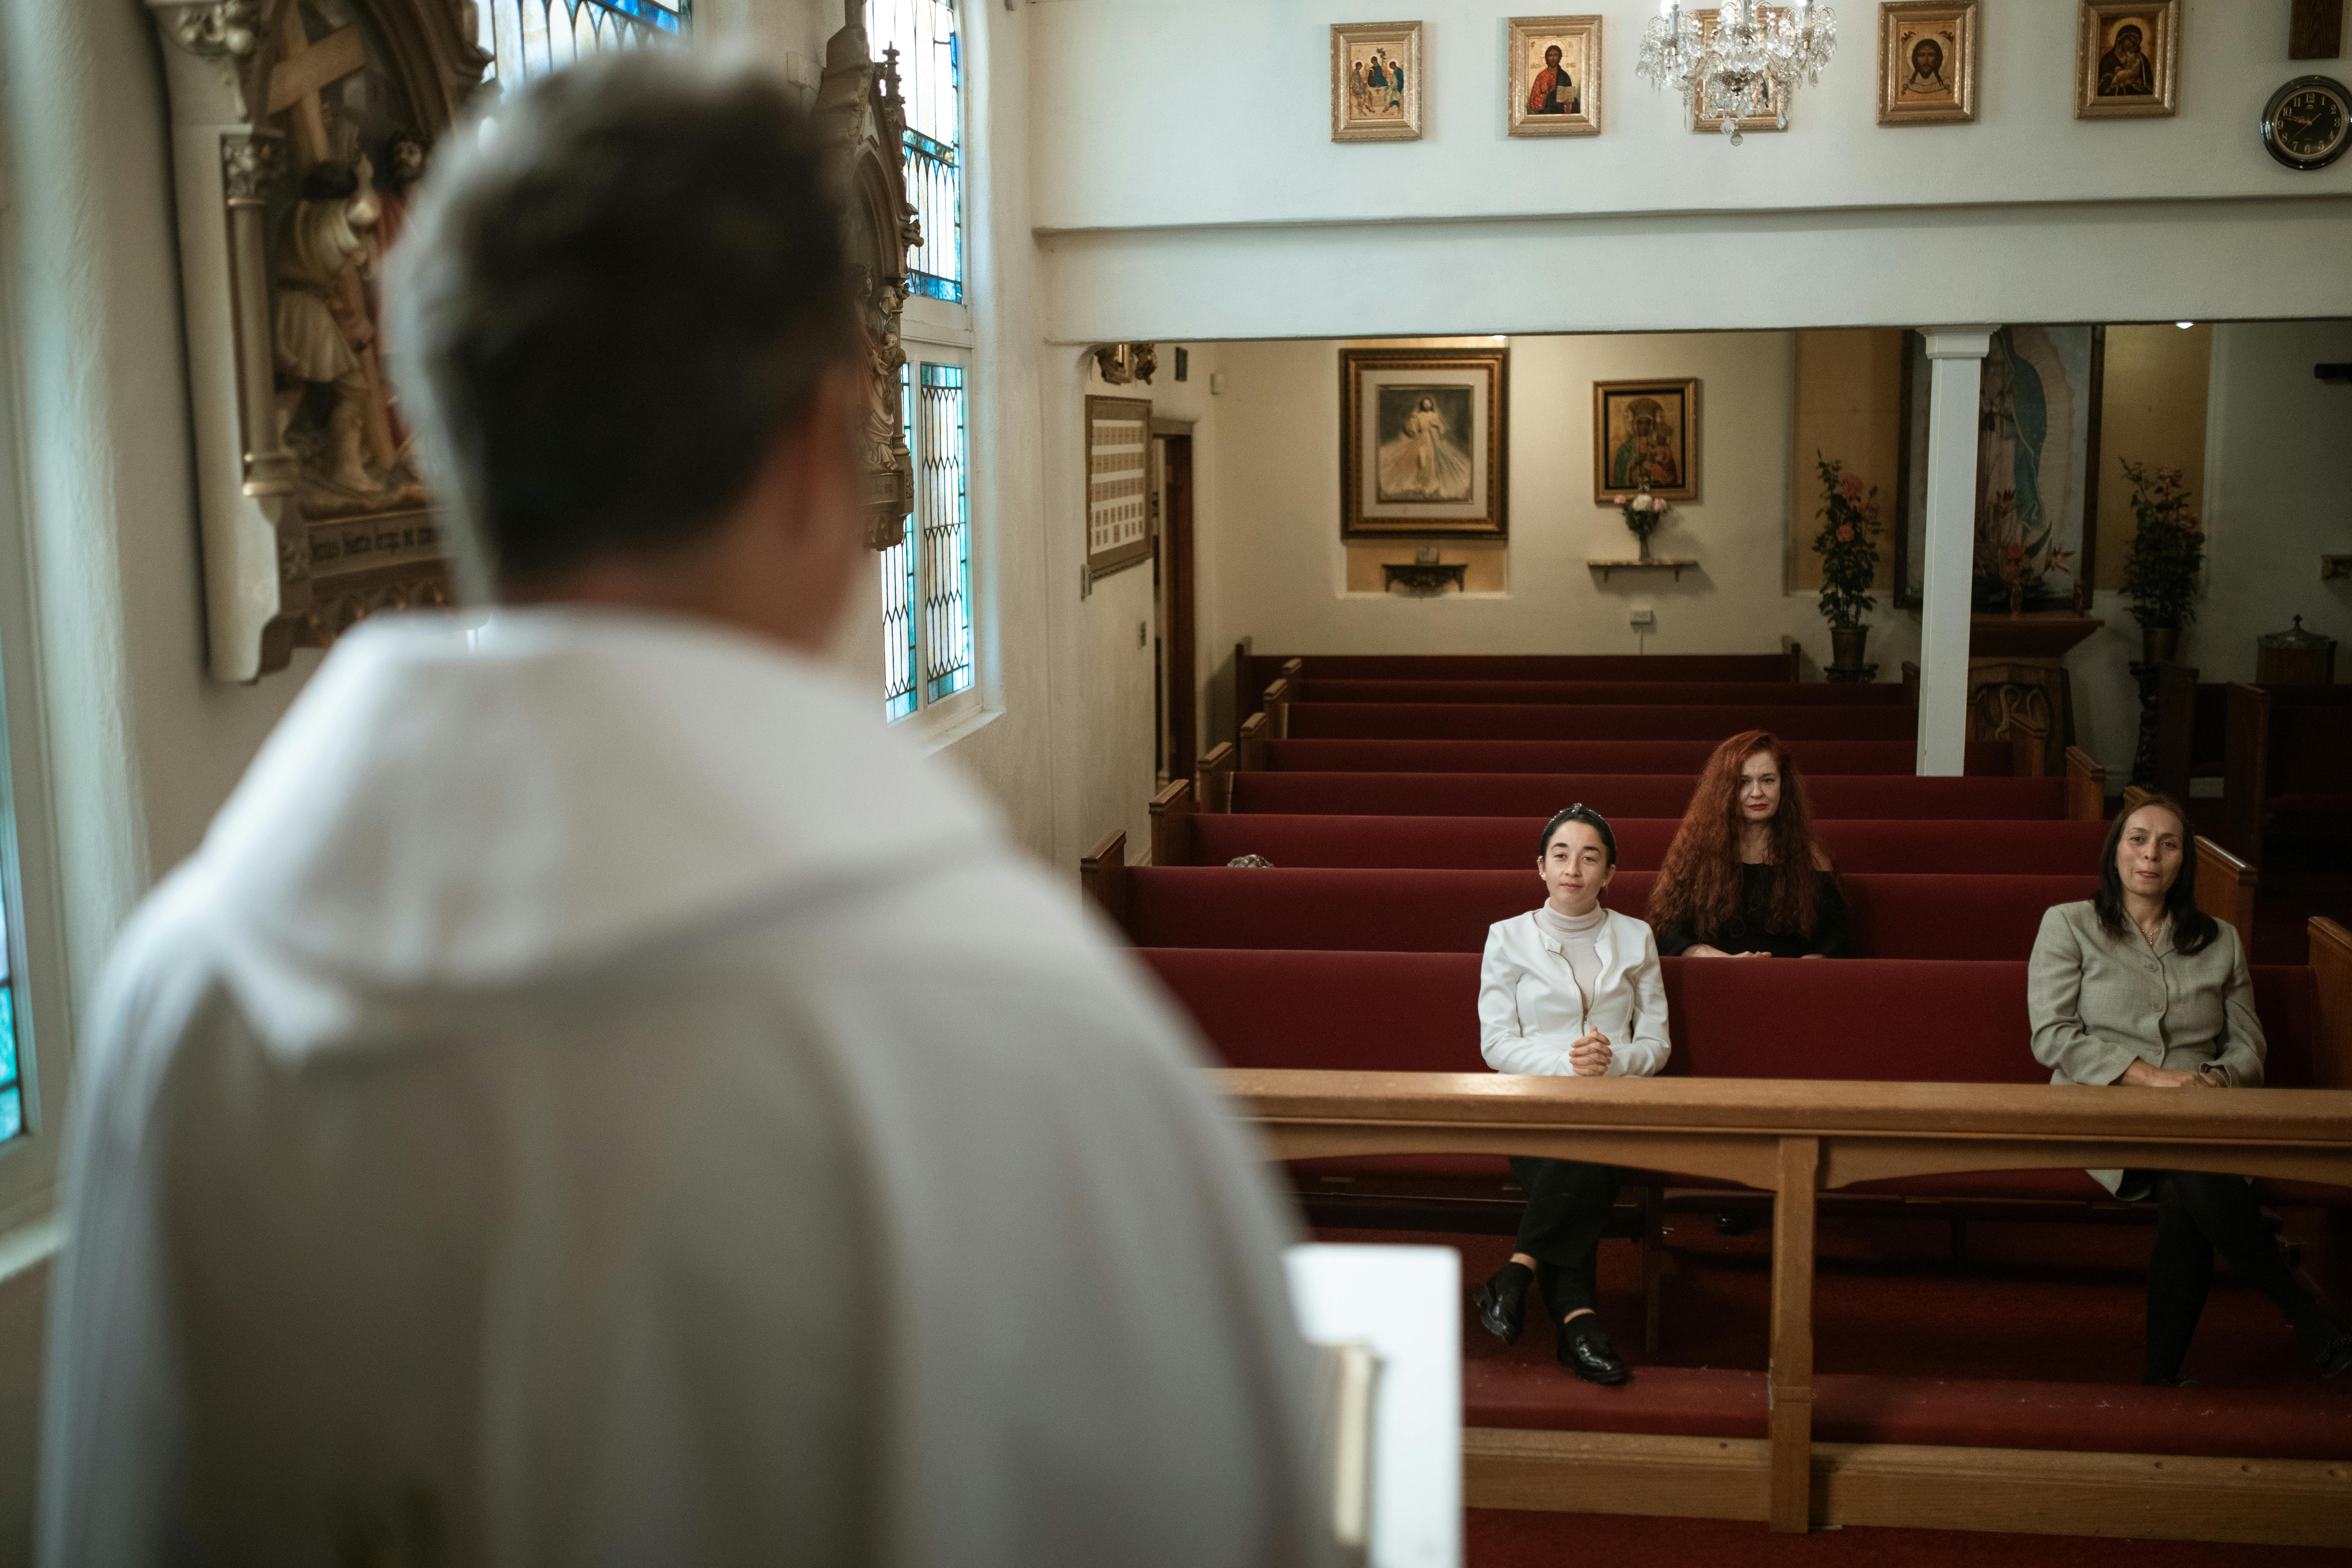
(2166, 550)
(1847, 544)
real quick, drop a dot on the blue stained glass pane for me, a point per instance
(12, 1113)
(946, 533)
(898, 595)
(8, 1037)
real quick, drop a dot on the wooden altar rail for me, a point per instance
(1797, 1139)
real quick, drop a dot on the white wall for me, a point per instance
(1244, 219)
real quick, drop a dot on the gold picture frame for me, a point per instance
(1927, 62)
(1423, 443)
(1712, 124)
(1571, 108)
(1367, 103)
(1644, 431)
(2126, 60)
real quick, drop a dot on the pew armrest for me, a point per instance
(1213, 788)
(2225, 889)
(2331, 960)
(2029, 747)
(1171, 826)
(2086, 787)
(1277, 709)
(1250, 755)
(1103, 874)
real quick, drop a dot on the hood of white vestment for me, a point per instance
(450, 811)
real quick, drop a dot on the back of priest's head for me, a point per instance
(620, 293)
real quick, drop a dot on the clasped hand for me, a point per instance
(2139, 1075)
(1589, 1054)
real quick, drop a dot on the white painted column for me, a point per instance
(1955, 357)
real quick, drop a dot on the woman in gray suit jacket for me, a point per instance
(2138, 986)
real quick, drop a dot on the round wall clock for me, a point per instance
(2308, 123)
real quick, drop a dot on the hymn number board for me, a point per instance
(1118, 483)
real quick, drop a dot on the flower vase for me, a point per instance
(1645, 539)
(2157, 645)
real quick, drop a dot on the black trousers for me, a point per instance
(1569, 1204)
(2197, 1215)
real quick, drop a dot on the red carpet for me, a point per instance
(1509, 1539)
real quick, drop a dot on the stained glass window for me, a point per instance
(12, 1090)
(940, 464)
(927, 638)
(898, 596)
(529, 39)
(931, 76)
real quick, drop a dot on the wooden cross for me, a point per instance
(303, 69)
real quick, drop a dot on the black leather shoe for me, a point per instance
(1585, 1351)
(2336, 1357)
(1501, 1302)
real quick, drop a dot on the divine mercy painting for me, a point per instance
(1424, 452)
(1422, 442)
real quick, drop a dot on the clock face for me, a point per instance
(2308, 123)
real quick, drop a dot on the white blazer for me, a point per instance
(1529, 1011)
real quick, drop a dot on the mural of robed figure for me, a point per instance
(1645, 458)
(2124, 71)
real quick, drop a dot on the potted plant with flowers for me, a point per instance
(2166, 550)
(1848, 546)
(1643, 513)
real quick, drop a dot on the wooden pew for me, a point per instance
(2191, 730)
(1103, 877)
(1817, 758)
(1254, 671)
(2290, 752)
(2225, 884)
(1291, 719)
(1799, 1139)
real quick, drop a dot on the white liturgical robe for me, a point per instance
(598, 1097)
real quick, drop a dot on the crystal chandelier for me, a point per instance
(1749, 66)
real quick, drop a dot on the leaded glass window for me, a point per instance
(12, 1090)
(931, 76)
(927, 633)
(940, 464)
(529, 39)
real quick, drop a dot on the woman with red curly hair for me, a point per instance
(1744, 877)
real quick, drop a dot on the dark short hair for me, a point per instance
(1584, 813)
(2193, 930)
(612, 300)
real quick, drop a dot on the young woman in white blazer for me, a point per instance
(1569, 988)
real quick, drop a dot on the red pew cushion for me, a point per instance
(1602, 756)
(1539, 796)
(1593, 722)
(1584, 693)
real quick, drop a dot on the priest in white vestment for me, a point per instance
(597, 1095)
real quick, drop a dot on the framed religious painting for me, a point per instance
(2037, 471)
(1424, 451)
(2127, 58)
(1118, 484)
(1376, 81)
(1554, 76)
(1927, 62)
(1645, 438)
(1713, 123)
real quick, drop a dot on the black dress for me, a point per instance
(1751, 929)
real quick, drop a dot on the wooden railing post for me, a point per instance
(1277, 710)
(2331, 962)
(1789, 1376)
(1171, 826)
(2086, 787)
(1212, 787)
(1103, 874)
(1250, 755)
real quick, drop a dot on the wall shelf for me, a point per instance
(1676, 565)
(1424, 577)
